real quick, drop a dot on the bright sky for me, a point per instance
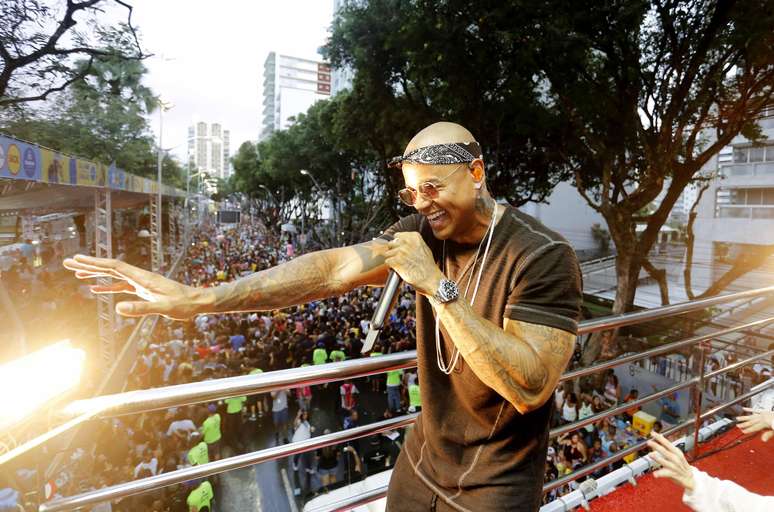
(216, 52)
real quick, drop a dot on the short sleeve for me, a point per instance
(409, 223)
(547, 288)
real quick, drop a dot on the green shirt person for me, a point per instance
(319, 356)
(337, 356)
(393, 377)
(234, 405)
(415, 399)
(200, 498)
(256, 370)
(198, 454)
(211, 429)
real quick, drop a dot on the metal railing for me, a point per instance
(160, 398)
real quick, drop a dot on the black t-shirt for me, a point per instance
(470, 445)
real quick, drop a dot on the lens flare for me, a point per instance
(31, 381)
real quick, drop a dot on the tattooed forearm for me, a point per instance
(313, 276)
(304, 279)
(522, 361)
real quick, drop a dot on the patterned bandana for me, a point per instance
(440, 154)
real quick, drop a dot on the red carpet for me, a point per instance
(748, 464)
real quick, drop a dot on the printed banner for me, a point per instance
(22, 161)
(19, 160)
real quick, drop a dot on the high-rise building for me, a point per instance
(290, 86)
(209, 149)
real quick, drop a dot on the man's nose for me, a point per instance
(421, 202)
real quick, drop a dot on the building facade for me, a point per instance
(736, 212)
(209, 149)
(290, 86)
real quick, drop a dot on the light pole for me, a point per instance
(160, 248)
(319, 188)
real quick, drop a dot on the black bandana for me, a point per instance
(440, 154)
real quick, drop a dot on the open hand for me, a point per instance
(758, 420)
(672, 461)
(161, 295)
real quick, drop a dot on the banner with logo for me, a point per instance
(22, 161)
(19, 160)
(55, 167)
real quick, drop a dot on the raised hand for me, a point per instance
(673, 463)
(758, 420)
(161, 295)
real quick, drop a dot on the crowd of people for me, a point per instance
(226, 345)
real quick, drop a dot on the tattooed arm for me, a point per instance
(521, 361)
(309, 277)
(313, 276)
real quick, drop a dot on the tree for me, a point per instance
(42, 50)
(418, 62)
(649, 93)
(629, 99)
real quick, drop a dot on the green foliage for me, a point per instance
(102, 117)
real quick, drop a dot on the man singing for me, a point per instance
(498, 301)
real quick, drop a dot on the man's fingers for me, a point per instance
(119, 287)
(82, 274)
(139, 308)
(767, 435)
(667, 444)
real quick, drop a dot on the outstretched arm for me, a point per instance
(313, 276)
(309, 277)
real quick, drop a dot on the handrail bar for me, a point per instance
(658, 394)
(239, 461)
(738, 364)
(619, 409)
(195, 392)
(228, 464)
(664, 349)
(610, 322)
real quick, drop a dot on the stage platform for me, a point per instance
(744, 459)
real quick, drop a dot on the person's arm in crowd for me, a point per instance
(309, 277)
(702, 492)
(519, 360)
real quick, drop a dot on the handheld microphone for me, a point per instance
(383, 308)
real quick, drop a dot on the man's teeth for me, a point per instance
(435, 215)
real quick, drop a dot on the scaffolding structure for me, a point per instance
(103, 244)
(157, 250)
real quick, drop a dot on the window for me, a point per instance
(756, 154)
(740, 155)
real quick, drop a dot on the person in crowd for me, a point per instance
(211, 432)
(612, 393)
(570, 408)
(280, 415)
(327, 463)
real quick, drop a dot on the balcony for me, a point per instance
(749, 169)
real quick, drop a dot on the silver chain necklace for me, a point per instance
(456, 353)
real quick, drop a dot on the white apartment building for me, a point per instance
(737, 211)
(209, 149)
(290, 86)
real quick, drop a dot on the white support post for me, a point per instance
(157, 251)
(173, 217)
(103, 244)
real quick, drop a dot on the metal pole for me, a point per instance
(158, 196)
(698, 395)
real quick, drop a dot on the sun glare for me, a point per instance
(31, 381)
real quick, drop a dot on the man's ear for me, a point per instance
(477, 172)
